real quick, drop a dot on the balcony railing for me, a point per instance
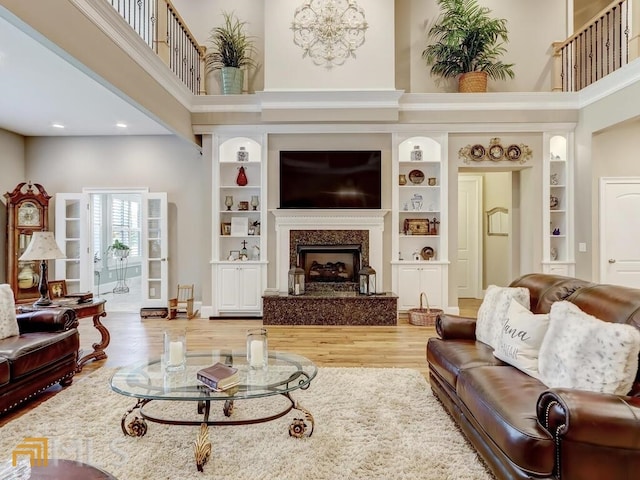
(162, 28)
(595, 50)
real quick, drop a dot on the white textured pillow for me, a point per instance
(8, 322)
(521, 338)
(582, 352)
(492, 314)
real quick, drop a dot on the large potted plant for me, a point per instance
(232, 50)
(468, 44)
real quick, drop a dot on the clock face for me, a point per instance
(28, 215)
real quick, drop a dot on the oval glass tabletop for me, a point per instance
(150, 380)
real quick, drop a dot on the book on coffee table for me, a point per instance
(219, 376)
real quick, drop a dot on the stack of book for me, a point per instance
(219, 376)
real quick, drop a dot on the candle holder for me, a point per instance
(228, 201)
(175, 351)
(257, 349)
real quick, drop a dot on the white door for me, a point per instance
(155, 250)
(72, 224)
(469, 236)
(619, 231)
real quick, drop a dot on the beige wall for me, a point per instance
(528, 47)
(161, 163)
(12, 166)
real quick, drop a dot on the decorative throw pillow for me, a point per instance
(8, 322)
(492, 313)
(582, 352)
(521, 338)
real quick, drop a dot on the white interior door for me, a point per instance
(71, 231)
(619, 231)
(155, 250)
(469, 236)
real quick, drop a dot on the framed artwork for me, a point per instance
(57, 289)
(234, 255)
(225, 228)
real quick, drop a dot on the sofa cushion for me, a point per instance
(8, 322)
(5, 374)
(521, 338)
(448, 357)
(501, 402)
(583, 352)
(31, 351)
(492, 313)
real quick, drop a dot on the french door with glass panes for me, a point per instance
(78, 217)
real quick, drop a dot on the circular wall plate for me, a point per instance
(416, 176)
(427, 253)
(496, 152)
(514, 152)
(477, 152)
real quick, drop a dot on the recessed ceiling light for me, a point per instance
(57, 125)
(121, 125)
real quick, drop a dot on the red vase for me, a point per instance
(242, 177)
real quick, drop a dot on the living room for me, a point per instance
(601, 123)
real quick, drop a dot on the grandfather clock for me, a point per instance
(27, 212)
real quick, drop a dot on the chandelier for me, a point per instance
(329, 31)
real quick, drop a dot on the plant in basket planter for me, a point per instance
(467, 44)
(232, 50)
(118, 249)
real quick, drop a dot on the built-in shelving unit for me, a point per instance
(419, 213)
(239, 248)
(557, 241)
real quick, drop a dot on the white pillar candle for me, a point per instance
(176, 353)
(257, 353)
(297, 289)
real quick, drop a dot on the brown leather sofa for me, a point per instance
(45, 353)
(521, 428)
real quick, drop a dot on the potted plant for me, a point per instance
(232, 51)
(467, 43)
(118, 249)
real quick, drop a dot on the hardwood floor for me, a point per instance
(133, 338)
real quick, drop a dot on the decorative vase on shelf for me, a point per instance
(402, 179)
(243, 155)
(241, 179)
(416, 154)
(228, 201)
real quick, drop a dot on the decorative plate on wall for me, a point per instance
(477, 152)
(514, 152)
(416, 176)
(496, 152)
(427, 253)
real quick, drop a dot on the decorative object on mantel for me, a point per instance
(467, 44)
(367, 280)
(296, 280)
(329, 31)
(241, 179)
(495, 152)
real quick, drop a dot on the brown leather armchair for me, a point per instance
(45, 353)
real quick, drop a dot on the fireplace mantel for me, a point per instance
(287, 220)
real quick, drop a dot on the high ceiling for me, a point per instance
(41, 85)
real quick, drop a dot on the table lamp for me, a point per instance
(42, 247)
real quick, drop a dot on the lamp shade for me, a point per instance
(42, 246)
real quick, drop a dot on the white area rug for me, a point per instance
(370, 424)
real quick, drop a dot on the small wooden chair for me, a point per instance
(183, 303)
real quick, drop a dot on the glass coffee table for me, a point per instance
(148, 381)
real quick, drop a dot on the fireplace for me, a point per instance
(329, 264)
(326, 229)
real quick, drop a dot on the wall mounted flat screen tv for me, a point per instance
(330, 179)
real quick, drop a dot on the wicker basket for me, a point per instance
(472, 82)
(424, 317)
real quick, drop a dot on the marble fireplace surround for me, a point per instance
(346, 226)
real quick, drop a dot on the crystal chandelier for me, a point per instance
(329, 31)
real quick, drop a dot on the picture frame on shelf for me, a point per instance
(225, 228)
(239, 226)
(57, 289)
(234, 255)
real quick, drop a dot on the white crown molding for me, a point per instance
(105, 17)
(329, 99)
(498, 101)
